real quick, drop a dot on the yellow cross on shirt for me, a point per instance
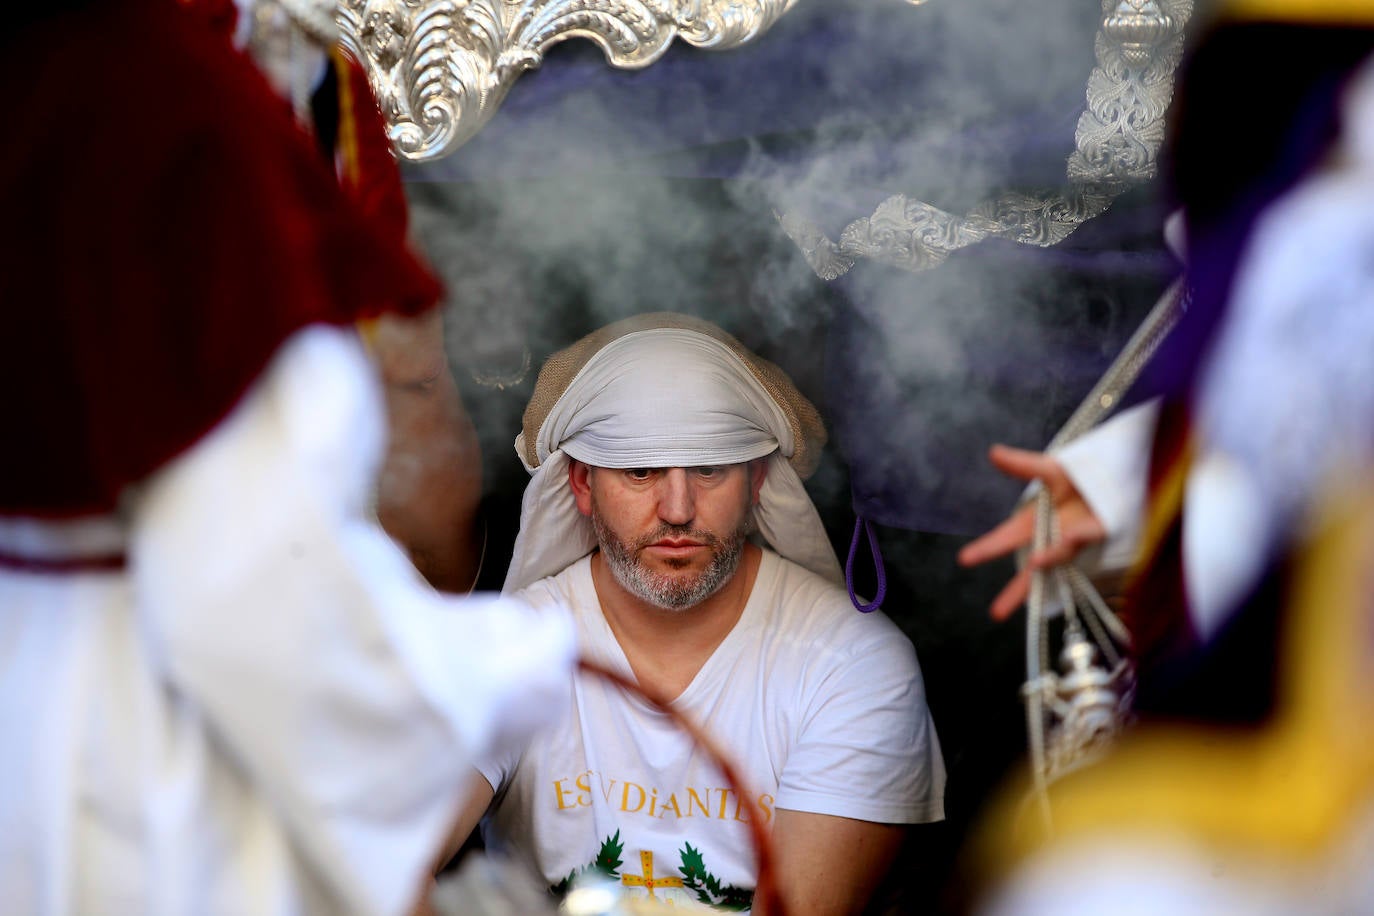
(646, 862)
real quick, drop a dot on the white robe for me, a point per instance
(268, 711)
(1223, 551)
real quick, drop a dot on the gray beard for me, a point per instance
(671, 593)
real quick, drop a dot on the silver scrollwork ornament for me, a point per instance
(1139, 44)
(1138, 27)
(441, 68)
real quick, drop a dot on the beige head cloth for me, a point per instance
(664, 390)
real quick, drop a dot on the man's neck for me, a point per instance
(665, 648)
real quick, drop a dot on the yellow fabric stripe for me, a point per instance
(348, 158)
(1316, 12)
(1165, 506)
(348, 123)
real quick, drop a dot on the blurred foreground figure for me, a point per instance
(430, 483)
(222, 688)
(1249, 785)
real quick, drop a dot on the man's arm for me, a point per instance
(430, 486)
(475, 804)
(866, 763)
(829, 866)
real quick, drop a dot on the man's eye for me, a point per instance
(639, 473)
(707, 471)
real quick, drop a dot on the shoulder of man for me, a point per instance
(818, 612)
(559, 589)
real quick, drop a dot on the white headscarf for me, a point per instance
(662, 397)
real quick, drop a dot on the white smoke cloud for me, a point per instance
(580, 207)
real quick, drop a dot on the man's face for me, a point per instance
(670, 536)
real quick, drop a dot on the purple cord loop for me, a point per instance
(876, 554)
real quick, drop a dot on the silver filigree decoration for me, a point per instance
(1139, 45)
(441, 68)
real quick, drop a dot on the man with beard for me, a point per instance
(658, 446)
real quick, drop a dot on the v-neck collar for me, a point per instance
(610, 652)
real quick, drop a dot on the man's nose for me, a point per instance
(676, 503)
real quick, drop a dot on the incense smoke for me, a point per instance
(594, 194)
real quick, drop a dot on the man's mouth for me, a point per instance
(676, 548)
(671, 550)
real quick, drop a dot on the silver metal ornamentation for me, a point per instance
(1075, 713)
(1138, 50)
(1138, 46)
(1087, 703)
(1138, 26)
(441, 68)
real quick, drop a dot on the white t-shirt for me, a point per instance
(821, 708)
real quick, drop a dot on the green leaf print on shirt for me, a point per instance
(695, 876)
(707, 886)
(607, 862)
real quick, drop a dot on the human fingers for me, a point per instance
(1054, 555)
(1012, 595)
(1021, 463)
(1027, 465)
(1078, 528)
(1010, 535)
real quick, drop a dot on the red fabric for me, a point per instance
(167, 228)
(376, 185)
(221, 16)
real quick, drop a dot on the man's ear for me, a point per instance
(758, 470)
(580, 481)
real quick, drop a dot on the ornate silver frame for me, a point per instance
(441, 68)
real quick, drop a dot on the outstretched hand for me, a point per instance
(1079, 527)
